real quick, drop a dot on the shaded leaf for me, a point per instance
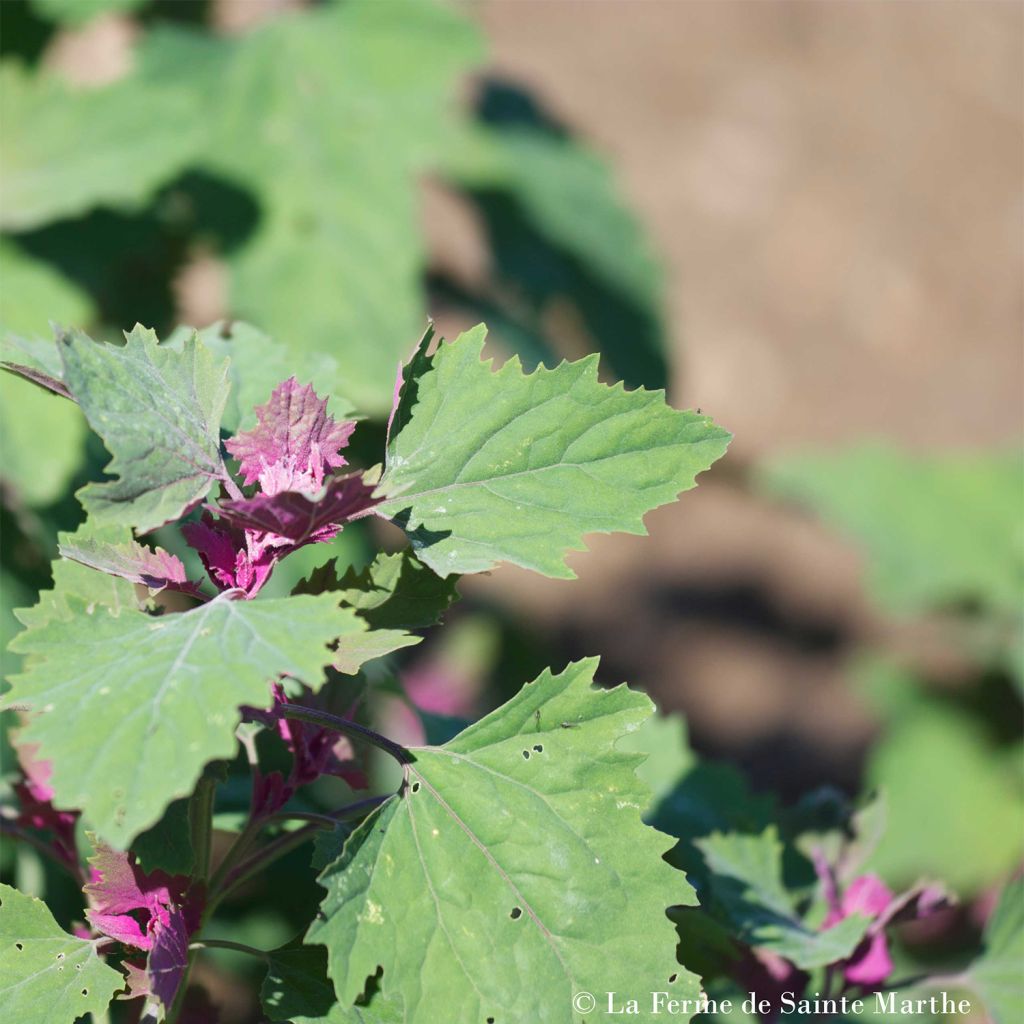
(297, 989)
(996, 974)
(746, 879)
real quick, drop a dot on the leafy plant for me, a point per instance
(515, 847)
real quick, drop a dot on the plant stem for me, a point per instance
(15, 830)
(238, 947)
(238, 847)
(352, 729)
(200, 819)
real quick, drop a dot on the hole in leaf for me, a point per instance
(60, 956)
(415, 787)
(78, 967)
(18, 946)
(672, 979)
(85, 991)
(526, 755)
(490, 1020)
(517, 912)
(539, 747)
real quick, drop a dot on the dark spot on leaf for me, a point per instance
(517, 912)
(539, 747)
(526, 755)
(490, 1020)
(85, 991)
(18, 946)
(60, 956)
(78, 967)
(415, 787)
(672, 979)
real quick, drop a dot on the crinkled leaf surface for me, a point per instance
(505, 467)
(46, 975)
(746, 879)
(512, 870)
(158, 412)
(297, 990)
(997, 973)
(161, 695)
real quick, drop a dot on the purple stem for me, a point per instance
(325, 720)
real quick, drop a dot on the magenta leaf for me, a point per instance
(291, 517)
(35, 800)
(130, 560)
(293, 442)
(234, 558)
(156, 912)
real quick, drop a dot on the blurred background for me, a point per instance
(804, 219)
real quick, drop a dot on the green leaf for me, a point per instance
(746, 880)
(997, 974)
(158, 411)
(78, 12)
(297, 990)
(502, 466)
(160, 695)
(515, 851)
(46, 975)
(936, 530)
(66, 150)
(560, 234)
(949, 796)
(43, 434)
(663, 739)
(75, 585)
(338, 207)
(397, 592)
(167, 846)
(258, 364)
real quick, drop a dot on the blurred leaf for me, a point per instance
(937, 530)
(949, 795)
(327, 117)
(78, 12)
(167, 846)
(560, 233)
(42, 433)
(662, 738)
(998, 973)
(66, 150)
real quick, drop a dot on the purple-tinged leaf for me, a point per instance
(132, 561)
(126, 903)
(293, 443)
(35, 802)
(44, 380)
(233, 559)
(297, 519)
(168, 958)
